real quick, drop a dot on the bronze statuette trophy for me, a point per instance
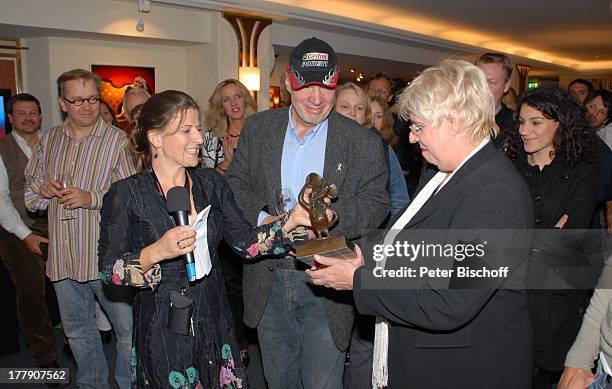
(338, 246)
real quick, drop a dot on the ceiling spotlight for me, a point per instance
(140, 24)
(352, 70)
(144, 6)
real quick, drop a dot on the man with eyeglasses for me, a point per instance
(71, 168)
(380, 85)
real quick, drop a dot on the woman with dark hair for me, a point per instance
(555, 151)
(140, 246)
(107, 113)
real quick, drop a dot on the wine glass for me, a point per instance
(65, 181)
(284, 201)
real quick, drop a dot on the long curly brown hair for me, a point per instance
(574, 140)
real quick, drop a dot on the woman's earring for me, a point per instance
(154, 155)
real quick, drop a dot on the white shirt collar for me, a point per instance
(23, 144)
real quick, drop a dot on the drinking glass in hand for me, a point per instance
(284, 201)
(65, 181)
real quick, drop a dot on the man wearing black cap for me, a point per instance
(304, 330)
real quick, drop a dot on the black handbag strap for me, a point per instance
(182, 277)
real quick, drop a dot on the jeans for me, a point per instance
(77, 309)
(296, 345)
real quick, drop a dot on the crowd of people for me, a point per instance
(85, 205)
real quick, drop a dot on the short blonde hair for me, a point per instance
(367, 122)
(452, 85)
(215, 117)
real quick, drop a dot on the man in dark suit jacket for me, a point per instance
(448, 331)
(498, 68)
(303, 329)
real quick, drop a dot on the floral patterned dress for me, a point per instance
(133, 216)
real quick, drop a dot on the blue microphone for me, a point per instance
(179, 206)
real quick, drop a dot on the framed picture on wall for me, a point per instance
(10, 77)
(5, 125)
(117, 79)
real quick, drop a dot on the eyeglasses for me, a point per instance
(415, 128)
(79, 101)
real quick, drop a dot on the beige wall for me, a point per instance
(265, 61)
(190, 49)
(37, 78)
(57, 55)
(279, 69)
(286, 35)
(209, 64)
(113, 17)
(565, 79)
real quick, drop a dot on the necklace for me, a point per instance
(232, 135)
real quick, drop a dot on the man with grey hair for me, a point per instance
(132, 98)
(304, 330)
(497, 68)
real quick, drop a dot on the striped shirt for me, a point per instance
(95, 162)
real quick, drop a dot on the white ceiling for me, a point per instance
(572, 34)
(575, 29)
(367, 66)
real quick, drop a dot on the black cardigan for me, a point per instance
(556, 190)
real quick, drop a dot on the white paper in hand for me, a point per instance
(201, 254)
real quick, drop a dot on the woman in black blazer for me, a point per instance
(449, 331)
(555, 151)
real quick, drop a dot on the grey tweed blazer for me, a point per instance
(355, 160)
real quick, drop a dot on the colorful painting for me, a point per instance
(5, 126)
(3, 118)
(117, 79)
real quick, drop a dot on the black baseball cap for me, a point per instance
(313, 62)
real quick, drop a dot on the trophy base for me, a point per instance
(337, 247)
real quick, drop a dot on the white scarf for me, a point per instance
(380, 367)
(380, 371)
